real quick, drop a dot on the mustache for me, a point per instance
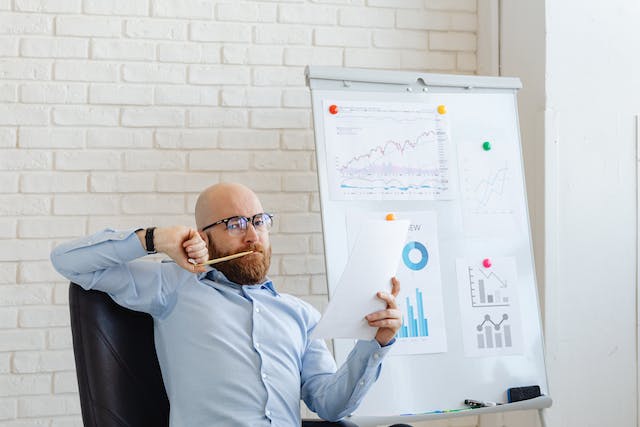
(255, 247)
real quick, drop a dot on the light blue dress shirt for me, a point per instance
(230, 355)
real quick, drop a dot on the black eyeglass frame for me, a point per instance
(247, 220)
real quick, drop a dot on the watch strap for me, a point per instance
(148, 239)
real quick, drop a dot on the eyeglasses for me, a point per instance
(237, 225)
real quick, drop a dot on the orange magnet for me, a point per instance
(486, 263)
(333, 109)
(390, 217)
(442, 109)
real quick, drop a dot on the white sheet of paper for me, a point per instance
(372, 262)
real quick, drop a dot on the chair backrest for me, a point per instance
(119, 377)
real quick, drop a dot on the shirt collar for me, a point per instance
(219, 277)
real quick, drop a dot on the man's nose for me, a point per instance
(251, 234)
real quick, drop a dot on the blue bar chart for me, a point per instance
(414, 321)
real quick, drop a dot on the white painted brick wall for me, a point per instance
(117, 113)
(154, 73)
(186, 139)
(54, 48)
(51, 6)
(156, 29)
(53, 93)
(119, 138)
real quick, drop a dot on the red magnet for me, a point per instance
(486, 263)
(333, 109)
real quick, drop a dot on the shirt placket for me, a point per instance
(259, 333)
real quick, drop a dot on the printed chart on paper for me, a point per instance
(421, 297)
(490, 185)
(491, 318)
(387, 151)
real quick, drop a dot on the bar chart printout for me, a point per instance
(487, 288)
(489, 306)
(494, 335)
(420, 298)
(414, 322)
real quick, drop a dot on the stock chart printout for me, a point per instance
(387, 151)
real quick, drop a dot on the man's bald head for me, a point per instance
(224, 200)
(227, 200)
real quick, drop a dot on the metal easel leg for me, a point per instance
(541, 415)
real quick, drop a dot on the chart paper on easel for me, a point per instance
(420, 299)
(387, 151)
(489, 306)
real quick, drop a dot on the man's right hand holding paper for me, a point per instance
(389, 320)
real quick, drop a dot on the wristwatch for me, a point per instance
(148, 239)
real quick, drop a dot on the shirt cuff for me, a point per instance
(390, 342)
(132, 248)
(372, 348)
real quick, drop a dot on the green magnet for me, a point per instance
(486, 146)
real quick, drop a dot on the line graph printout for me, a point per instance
(491, 186)
(487, 193)
(386, 151)
(489, 307)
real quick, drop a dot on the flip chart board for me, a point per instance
(443, 152)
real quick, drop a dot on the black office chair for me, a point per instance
(117, 367)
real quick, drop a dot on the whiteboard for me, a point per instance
(413, 145)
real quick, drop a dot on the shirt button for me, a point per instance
(257, 345)
(264, 376)
(376, 356)
(361, 383)
(257, 309)
(121, 235)
(267, 413)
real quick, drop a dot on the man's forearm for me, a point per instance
(335, 396)
(162, 238)
(106, 261)
(96, 252)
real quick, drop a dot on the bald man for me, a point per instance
(233, 350)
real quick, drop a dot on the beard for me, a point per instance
(247, 270)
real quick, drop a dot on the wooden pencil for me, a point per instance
(225, 258)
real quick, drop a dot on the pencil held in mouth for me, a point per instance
(225, 258)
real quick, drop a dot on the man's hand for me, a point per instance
(389, 320)
(181, 243)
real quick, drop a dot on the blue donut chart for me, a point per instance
(424, 256)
